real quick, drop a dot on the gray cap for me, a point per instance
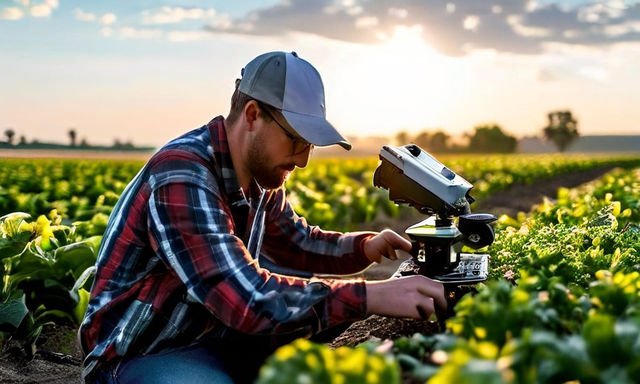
(293, 85)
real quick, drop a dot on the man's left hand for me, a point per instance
(385, 244)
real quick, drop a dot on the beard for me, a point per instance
(266, 175)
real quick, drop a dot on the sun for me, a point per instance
(401, 84)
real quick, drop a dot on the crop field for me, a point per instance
(562, 304)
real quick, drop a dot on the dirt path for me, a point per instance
(50, 367)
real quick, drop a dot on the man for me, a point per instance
(182, 294)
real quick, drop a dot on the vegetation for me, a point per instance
(562, 129)
(567, 308)
(56, 212)
(491, 139)
(488, 138)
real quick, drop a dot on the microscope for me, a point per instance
(444, 245)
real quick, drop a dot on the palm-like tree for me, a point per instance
(10, 133)
(72, 136)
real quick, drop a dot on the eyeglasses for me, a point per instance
(299, 145)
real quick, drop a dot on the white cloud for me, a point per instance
(451, 8)
(350, 7)
(44, 9)
(40, 10)
(622, 29)
(400, 13)
(108, 19)
(594, 73)
(11, 13)
(172, 15)
(471, 22)
(366, 22)
(84, 16)
(137, 33)
(602, 11)
(515, 21)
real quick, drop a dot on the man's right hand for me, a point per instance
(416, 297)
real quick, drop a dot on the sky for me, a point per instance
(147, 71)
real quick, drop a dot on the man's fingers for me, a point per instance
(391, 253)
(425, 310)
(397, 241)
(435, 291)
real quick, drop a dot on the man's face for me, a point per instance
(270, 158)
(268, 172)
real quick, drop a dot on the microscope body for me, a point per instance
(444, 245)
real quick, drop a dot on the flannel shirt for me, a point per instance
(179, 263)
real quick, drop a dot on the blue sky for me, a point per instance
(147, 71)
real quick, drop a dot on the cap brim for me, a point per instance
(315, 129)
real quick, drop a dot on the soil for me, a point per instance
(58, 360)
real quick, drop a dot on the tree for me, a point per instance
(402, 138)
(72, 136)
(439, 142)
(562, 129)
(10, 133)
(423, 140)
(490, 138)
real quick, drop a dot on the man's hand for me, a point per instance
(416, 297)
(385, 244)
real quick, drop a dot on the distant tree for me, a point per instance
(10, 133)
(562, 129)
(490, 138)
(72, 136)
(423, 139)
(402, 138)
(439, 142)
(84, 142)
(23, 140)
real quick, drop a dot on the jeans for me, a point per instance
(235, 360)
(195, 364)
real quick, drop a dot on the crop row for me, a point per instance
(53, 214)
(335, 194)
(563, 304)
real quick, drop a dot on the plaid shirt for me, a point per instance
(178, 263)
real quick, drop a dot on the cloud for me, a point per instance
(173, 15)
(25, 7)
(11, 13)
(43, 9)
(516, 26)
(84, 16)
(106, 19)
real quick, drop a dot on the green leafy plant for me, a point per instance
(44, 266)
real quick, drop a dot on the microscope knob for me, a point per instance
(414, 150)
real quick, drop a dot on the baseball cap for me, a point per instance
(291, 84)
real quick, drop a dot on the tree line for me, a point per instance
(561, 130)
(10, 135)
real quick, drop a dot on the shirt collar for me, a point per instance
(224, 163)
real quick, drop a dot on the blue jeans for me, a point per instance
(234, 360)
(194, 364)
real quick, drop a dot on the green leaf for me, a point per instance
(77, 257)
(81, 308)
(12, 312)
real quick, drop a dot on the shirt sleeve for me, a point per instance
(291, 242)
(192, 231)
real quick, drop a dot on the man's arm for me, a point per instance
(191, 230)
(293, 243)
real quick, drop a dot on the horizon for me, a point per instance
(146, 72)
